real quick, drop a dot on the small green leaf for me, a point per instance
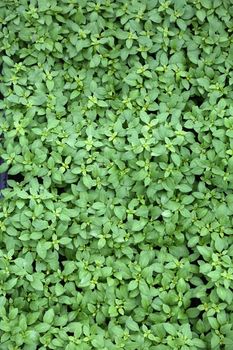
(42, 327)
(138, 225)
(170, 328)
(37, 284)
(132, 285)
(132, 325)
(49, 316)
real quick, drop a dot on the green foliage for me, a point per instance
(116, 226)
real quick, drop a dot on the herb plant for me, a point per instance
(116, 225)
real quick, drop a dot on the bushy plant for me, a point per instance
(116, 225)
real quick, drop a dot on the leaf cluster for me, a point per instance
(116, 225)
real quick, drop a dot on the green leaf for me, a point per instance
(132, 325)
(112, 311)
(120, 212)
(39, 99)
(214, 341)
(98, 342)
(207, 4)
(42, 327)
(65, 240)
(50, 84)
(200, 344)
(88, 182)
(14, 170)
(184, 188)
(11, 283)
(43, 5)
(37, 284)
(219, 244)
(138, 225)
(42, 248)
(101, 243)
(59, 290)
(49, 316)
(205, 252)
(144, 258)
(201, 14)
(154, 16)
(181, 286)
(8, 61)
(70, 267)
(221, 291)
(170, 328)
(132, 285)
(203, 82)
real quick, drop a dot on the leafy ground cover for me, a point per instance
(116, 225)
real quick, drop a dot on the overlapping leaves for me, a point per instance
(116, 226)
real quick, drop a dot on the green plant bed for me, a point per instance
(116, 225)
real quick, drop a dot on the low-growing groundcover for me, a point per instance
(116, 226)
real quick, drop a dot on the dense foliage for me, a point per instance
(116, 227)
